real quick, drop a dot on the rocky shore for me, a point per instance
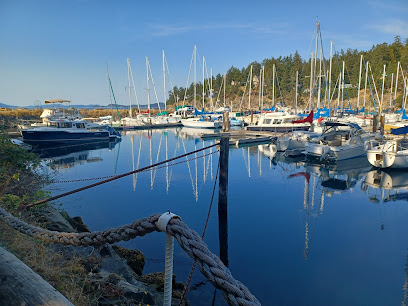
(114, 272)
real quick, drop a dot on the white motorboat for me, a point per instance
(339, 141)
(392, 154)
(294, 142)
(202, 122)
(282, 122)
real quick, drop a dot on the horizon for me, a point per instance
(61, 49)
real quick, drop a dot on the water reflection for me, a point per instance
(391, 185)
(67, 156)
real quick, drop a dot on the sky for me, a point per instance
(61, 49)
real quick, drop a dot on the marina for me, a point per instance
(289, 221)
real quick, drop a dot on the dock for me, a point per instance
(243, 137)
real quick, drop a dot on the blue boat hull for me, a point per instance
(63, 137)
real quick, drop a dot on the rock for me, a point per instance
(76, 223)
(134, 258)
(53, 220)
(156, 281)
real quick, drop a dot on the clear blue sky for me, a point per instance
(59, 49)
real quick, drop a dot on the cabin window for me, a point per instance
(65, 124)
(80, 125)
(52, 124)
(267, 121)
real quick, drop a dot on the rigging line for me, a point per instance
(189, 169)
(154, 87)
(190, 276)
(114, 178)
(243, 94)
(344, 89)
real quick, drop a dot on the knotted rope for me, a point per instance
(209, 264)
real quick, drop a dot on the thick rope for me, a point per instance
(209, 264)
(190, 276)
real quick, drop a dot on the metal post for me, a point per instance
(222, 200)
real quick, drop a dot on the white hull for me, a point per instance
(334, 152)
(387, 156)
(193, 123)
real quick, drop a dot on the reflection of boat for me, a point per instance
(67, 131)
(188, 132)
(340, 176)
(68, 156)
(339, 141)
(392, 154)
(390, 181)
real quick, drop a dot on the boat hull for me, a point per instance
(277, 129)
(331, 153)
(201, 124)
(63, 137)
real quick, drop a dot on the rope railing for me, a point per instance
(190, 241)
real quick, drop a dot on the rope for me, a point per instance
(209, 264)
(190, 276)
(146, 170)
(114, 178)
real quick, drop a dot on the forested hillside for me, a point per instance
(285, 80)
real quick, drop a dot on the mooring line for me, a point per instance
(113, 178)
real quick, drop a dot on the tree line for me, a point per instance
(285, 78)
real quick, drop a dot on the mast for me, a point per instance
(260, 89)
(203, 81)
(273, 85)
(342, 88)
(392, 82)
(311, 82)
(147, 81)
(263, 85)
(225, 85)
(359, 82)
(330, 72)
(211, 91)
(296, 95)
(195, 76)
(382, 90)
(130, 100)
(320, 79)
(396, 82)
(365, 85)
(164, 82)
(250, 87)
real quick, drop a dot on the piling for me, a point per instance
(222, 200)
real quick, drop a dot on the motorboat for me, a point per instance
(391, 154)
(294, 143)
(281, 122)
(65, 131)
(339, 141)
(206, 122)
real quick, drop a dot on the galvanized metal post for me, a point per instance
(223, 200)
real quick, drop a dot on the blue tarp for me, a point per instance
(400, 131)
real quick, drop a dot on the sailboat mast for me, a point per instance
(195, 76)
(342, 87)
(164, 82)
(130, 99)
(250, 85)
(147, 81)
(330, 72)
(296, 92)
(203, 81)
(365, 85)
(392, 82)
(396, 82)
(382, 89)
(311, 82)
(273, 85)
(225, 85)
(211, 91)
(320, 79)
(359, 82)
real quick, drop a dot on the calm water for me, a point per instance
(298, 234)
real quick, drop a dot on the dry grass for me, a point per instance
(66, 275)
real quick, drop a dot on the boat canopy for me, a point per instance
(57, 101)
(352, 125)
(400, 131)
